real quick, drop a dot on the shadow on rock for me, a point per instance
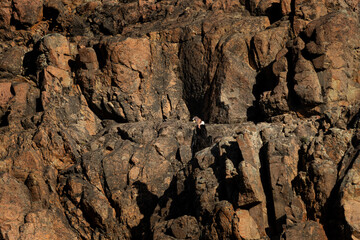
(147, 202)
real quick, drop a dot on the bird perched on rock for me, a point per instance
(200, 138)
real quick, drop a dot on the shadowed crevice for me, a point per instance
(265, 175)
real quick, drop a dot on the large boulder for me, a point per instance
(27, 12)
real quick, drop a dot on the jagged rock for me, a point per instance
(327, 50)
(350, 200)
(271, 8)
(250, 190)
(45, 224)
(235, 76)
(15, 204)
(12, 60)
(306, 83)
(307, 230)
(206, 185)
(221, 227)
(276, 101)
(27, 12)
(95, 102)
(129, 76)
(56, 49)
(5, 14)
(5, 96)
(268, 43)
(245, 226)
(281, 168)
(185, 227)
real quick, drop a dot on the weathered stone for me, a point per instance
(285, 7)
(205, 158)
(329, 44)
(282, 161)
(306, 83)
(5, 14)
(307, 230)
(56, 49)
(185, 227)
(12, 60)
(28, 12)
(206, 185)
(45, 224)
(5, 94)
(245, 226)
(88, 57)
(250, 191)
(349, 190)
(268, 44)
(224, 214)
(15, 204)
(95, 136)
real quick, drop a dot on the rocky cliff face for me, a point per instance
(95, 105)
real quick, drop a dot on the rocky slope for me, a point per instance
(95, 105)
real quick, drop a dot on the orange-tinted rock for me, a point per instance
(88, 57)
(5, 94)
(349, 190)
(26, 162)
(307, 230)
(28, 12)
(223, 219)
(150, 65)
(285, 7)
(15, 204)
(56, 49)
(336, 75)
(46, 224)
(185, 227)
(268, 44)
(282, 161)
(12, 60)
(245, 226)
(307, 86)
(251, 190)
(5, 13)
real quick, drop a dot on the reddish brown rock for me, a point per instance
(15, 204)
(223, 220)
(263, 7)
(205, 185)
(5, 14)
(88, 57)
(306, 84)
(350, 200)
(268, 43)
(331, 66)
(185, 227)
(12, 60)
(307, 230)
(56, 50)
(245, 226)
(251, 190)
(282, 163)
(285, 7)
(150, 65)
(132, 67)
(46, 224)
(27, 12)
(235, 76)
(5, 94)
(276, 101)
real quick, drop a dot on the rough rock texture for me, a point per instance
(96, 99)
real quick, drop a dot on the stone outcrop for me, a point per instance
(96, 99)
